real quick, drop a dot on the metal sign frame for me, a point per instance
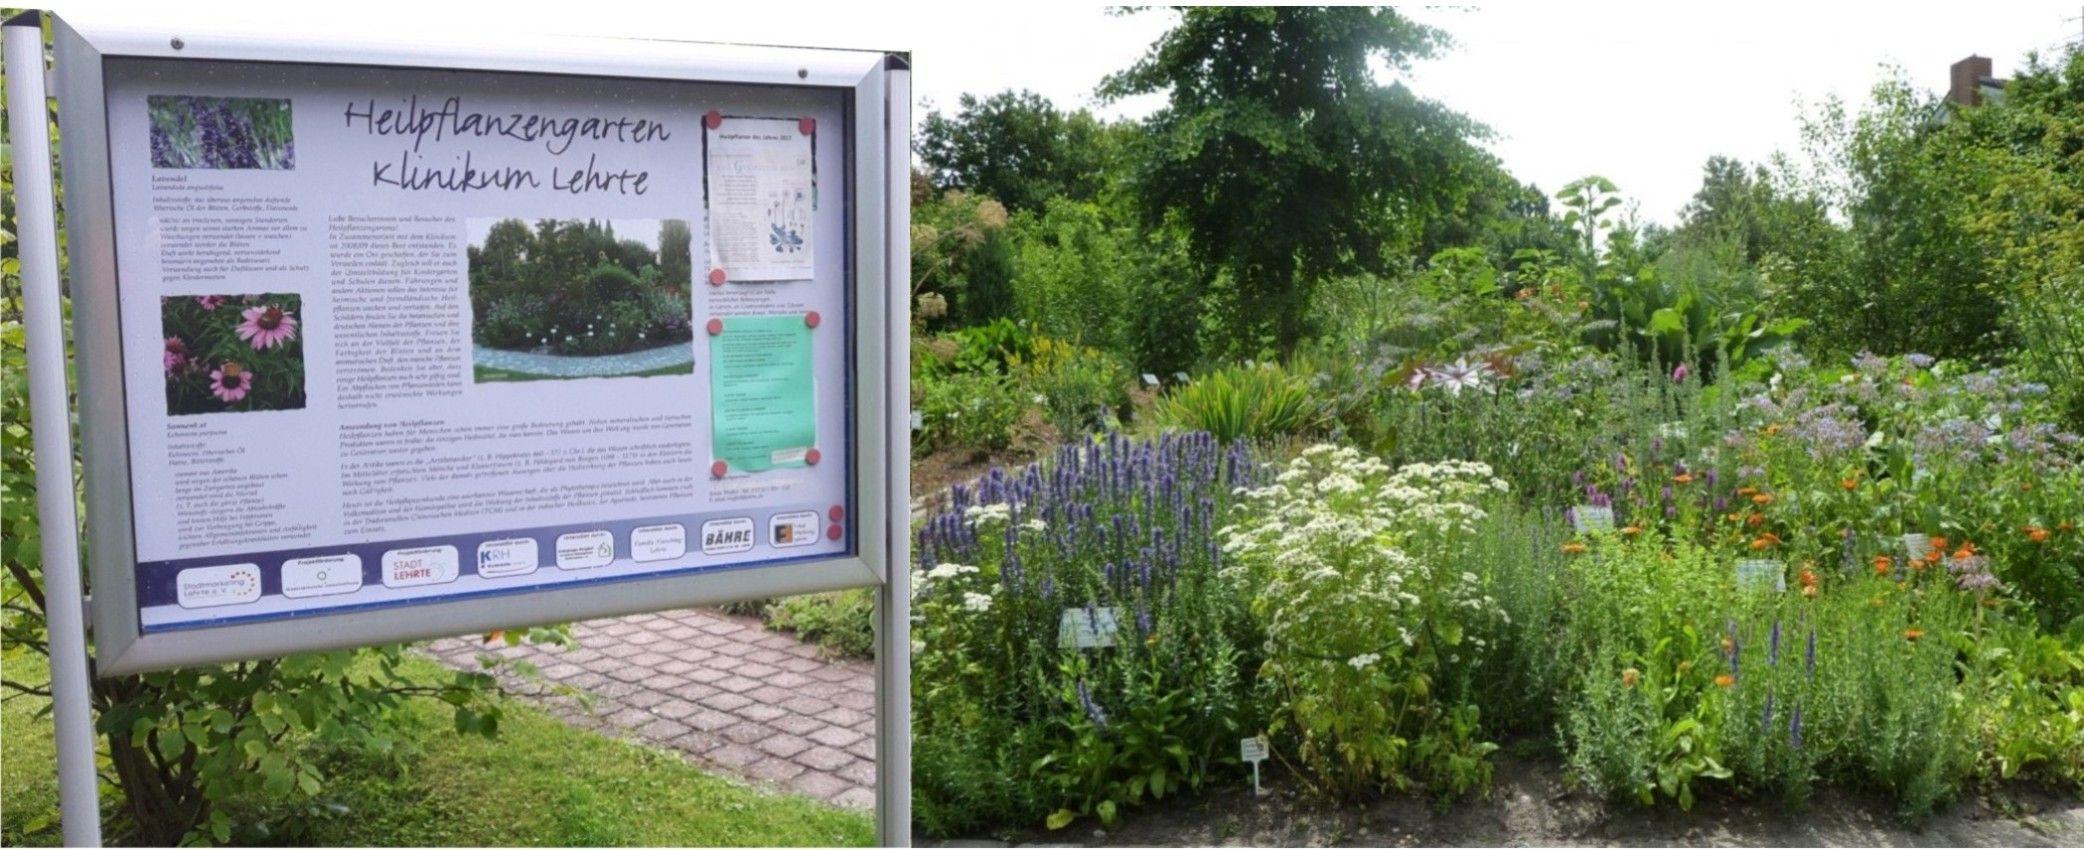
(122, 648)
(875, 91)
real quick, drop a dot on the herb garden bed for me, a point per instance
(1851, 590)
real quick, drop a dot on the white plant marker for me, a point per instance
(1253, 750)
(1088, 628)
(1592, 518)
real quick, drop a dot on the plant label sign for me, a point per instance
(1088, 628)
(1253, 750)
(1753, 573)
(1585, 518)
(1917, 546)
(440, 344)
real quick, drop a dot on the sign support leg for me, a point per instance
(49, 406)
(894, 598)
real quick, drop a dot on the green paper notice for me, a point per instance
(763, 405)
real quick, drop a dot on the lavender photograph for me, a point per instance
(193, 131)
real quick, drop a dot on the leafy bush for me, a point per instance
(1244, 403)
(1081, 389)
(1341, 561)
(841, 621)
(971, 410)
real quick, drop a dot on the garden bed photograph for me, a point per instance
(565, 298)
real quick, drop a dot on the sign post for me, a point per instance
(65, 604)
(383, 340)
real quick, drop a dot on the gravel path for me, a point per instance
(559, 366)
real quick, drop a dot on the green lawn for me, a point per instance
(539, 783)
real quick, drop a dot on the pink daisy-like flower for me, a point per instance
(267, 327)
(209, 302)
(176, 354)
(230, 382)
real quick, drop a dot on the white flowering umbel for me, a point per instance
(1338, 557)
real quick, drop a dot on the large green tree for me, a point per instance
(1284, 156)
(1015, 147)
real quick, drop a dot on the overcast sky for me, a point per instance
(1640, 92)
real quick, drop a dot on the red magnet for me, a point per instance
(811, 457)
(717, 469)
(806, 126)
(716, 326)
(838, 512)
(811, 319)
(834, 532)
(716, 277)
(713, 119)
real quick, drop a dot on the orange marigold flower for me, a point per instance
(1808, 578)
(1725, 680)
(1573, 548)
(1913, 634)
(1849, 483)
(1938, 543)
(1772, 429)
(1632, 530)
(2036, 534)
(1762, 499)
(1764, 541)
(1810, 591)
(1755, 520)
(1735, 516)
(1630, 676)
(1746, 491)
(2066, 526)
(1964, 553)
(1883, 564)
(1683, 478)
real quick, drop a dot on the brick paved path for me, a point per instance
(722, 689)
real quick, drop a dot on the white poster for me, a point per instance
(393, 336)
(763, 196)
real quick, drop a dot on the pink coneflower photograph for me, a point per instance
(217, 346)
(176, 354)
(230, 382)
(267, 326)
